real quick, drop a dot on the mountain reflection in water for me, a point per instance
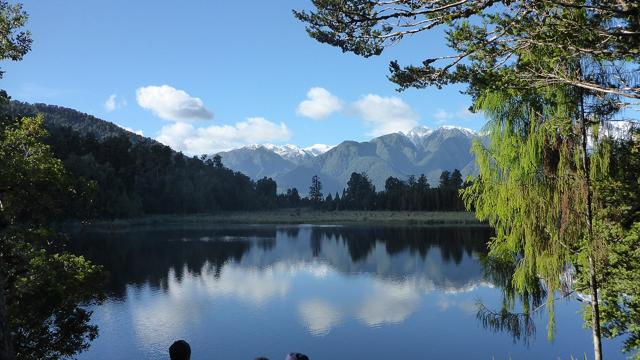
(439, 256)
(325, 290)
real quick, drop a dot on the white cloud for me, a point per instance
(385, 114)
(110, 104)
(193, 140)
(169, 103)
(114, 102)
(319, 104)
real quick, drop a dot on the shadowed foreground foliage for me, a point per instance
(44, 288)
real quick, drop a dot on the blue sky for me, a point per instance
(204, 76)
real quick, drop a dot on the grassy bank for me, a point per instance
(300, 216)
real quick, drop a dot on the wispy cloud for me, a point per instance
(114, 102)
(170, 103)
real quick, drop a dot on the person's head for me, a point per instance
(261, 358)
(180, 350)
(296, 356)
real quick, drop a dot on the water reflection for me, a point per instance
(271, 285)
(319, 315)
(389, 302)
(250, 255)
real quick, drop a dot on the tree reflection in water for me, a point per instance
(147, 256)
(515, 317)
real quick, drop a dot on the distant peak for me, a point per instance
(318, 149)
(291, 151)
(420, 130)
(459, 128)
(419, 133)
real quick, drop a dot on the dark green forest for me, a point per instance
(142, 178)
(412, 194)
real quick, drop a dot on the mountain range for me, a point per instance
(419, 151)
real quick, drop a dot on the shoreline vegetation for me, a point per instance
(295, 216)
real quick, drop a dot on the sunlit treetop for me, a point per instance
(14, 41)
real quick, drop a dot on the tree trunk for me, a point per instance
(595, 311)
(6, 344)
(593, 280)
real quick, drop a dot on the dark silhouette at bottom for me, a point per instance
(290, 356)
(180, 350)
(296, 356)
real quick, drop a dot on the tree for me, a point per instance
(315, 191)
(456, 179)
(217, 161)
(294, 196)
(266, 190)
(43, 290)
(394, 190)
(15, 44)
(549, 74)
(619, 224)
(328, 203)
(337, 202)
(445, 179)
(290, 199)
(489, 38)
(40, 291)
(360, 193)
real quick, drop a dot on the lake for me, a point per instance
(331, 292)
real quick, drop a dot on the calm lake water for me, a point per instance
(237, 292)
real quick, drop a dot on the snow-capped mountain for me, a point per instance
(318, 149)
(295, 153)
(419, 151)
(418, 133)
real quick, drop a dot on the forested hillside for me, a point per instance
(135, 179)
(130, 175)
(59, 116)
